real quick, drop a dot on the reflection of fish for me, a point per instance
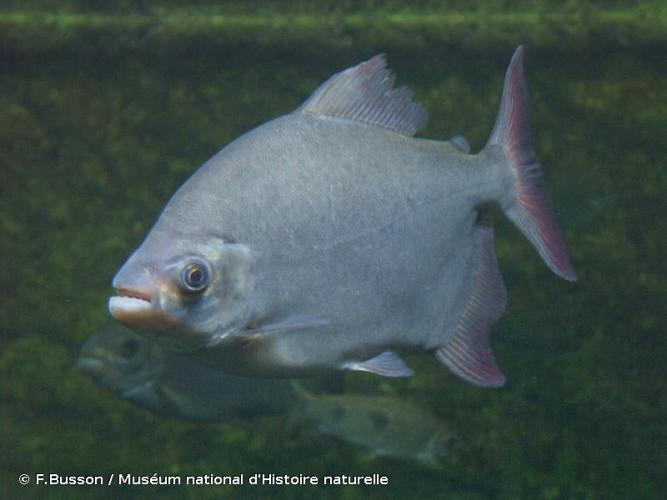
(329, 237)
(383, 425)
(162, 382)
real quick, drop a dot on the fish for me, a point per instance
(383, 425)
(331, 238)
(168, 384)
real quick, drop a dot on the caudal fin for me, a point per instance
(530, 209)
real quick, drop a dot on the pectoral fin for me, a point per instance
(387, 364)
(170, 401)
(290, 323)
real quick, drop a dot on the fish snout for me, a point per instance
(136, 301)
(91, 362)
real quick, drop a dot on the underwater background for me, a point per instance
(106, 107)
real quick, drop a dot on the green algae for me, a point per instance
(103, 113)
(122, 26)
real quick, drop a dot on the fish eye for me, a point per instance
(129, 348)
(195, 277)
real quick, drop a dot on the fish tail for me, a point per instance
(529, 208)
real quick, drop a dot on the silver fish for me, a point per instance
(165, 383)
(330, 238)
(383, 425)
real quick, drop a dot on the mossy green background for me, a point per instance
(107, 107)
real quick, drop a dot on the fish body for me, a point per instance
(330, 238)
(165, 383)
(383, 425)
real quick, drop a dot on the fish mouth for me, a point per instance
(129, 305)
(129, 300)
(91, 363)
(127, 296)
(139, 311)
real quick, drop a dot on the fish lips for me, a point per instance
(91, 363)
(138, 310)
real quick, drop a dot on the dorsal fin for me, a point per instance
(364, 94)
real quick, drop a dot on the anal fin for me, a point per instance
(387, 364)
(468, 353)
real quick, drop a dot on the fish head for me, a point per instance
(182, 290)
(443, 443)
(119, 359)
